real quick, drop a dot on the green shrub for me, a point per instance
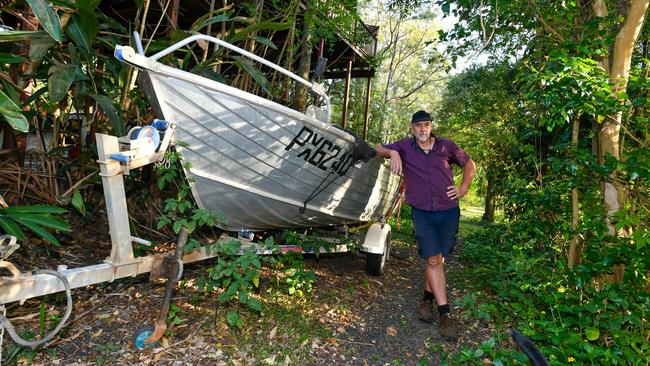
(572, 316)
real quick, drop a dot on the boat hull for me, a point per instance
(263, 166)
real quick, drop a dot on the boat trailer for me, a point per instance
(116, 158)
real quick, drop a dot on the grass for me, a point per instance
(285, 329)
(470, 219)
(403, 235)
(283, 332)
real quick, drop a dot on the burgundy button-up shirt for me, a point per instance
(427, 176)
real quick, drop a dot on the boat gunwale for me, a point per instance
(144, 62)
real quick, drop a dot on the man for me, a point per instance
(425, 160)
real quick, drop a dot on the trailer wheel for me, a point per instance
(376, 263)
(142, 334)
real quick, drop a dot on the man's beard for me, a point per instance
(423, 138)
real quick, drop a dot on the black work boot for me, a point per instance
(425, 311)
(447, 327)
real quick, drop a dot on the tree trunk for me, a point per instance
(488, 215)
(572, 257)
(366, 110)
(249, 45)
(346, 94)
(299, 102)
(393, 54)
(614, 192)
(208, 31)
(600, 11)
(394, 34)
(289, 58)
(173, 17)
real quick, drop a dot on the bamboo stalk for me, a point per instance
(78, 183)
(208, 31)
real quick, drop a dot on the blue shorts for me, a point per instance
(435, 231)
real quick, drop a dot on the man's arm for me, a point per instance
(382, 151)
(395, 160)
(454, 192)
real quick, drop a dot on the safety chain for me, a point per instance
(68, 309)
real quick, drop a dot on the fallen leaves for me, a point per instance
(198, 342)
(273, 331)
(391, 331)
(362, 323)
(269, 360)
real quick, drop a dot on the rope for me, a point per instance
(317, 191)
(359, 150)
(11, 331)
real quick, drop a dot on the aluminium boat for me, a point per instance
(261, 165)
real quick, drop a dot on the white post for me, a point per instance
(116, 210)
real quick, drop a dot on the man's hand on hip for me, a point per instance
(455, 193)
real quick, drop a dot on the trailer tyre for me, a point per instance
(140, 336)
(376, 263)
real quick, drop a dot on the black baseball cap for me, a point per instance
(420, 116)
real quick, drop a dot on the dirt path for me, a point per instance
(388, 331)
(371, 321)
